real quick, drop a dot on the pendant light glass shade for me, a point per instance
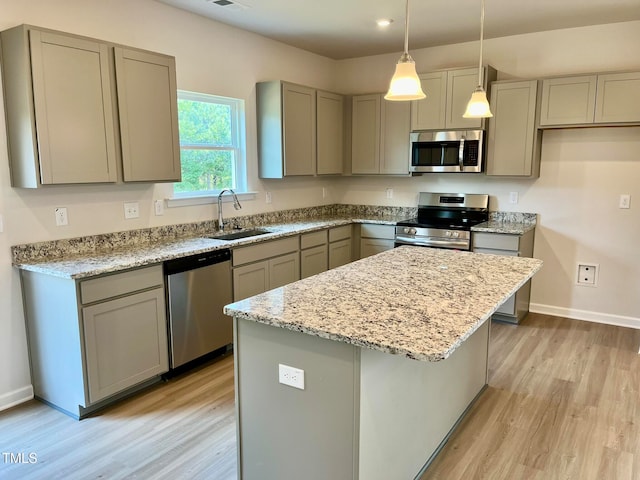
(478, 106)
(405, 83)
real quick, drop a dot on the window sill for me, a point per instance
(204, 199)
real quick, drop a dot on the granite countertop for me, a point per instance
(497, 226)
(116, 259)
(512, 223)
(421, 303)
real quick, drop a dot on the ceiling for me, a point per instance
(346, 28)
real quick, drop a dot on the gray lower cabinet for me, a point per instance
(93, 341)
(375, 239)
(261, 267)
(517, 306)
(340, 246)
(313, 253)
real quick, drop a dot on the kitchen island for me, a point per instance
(390, 351)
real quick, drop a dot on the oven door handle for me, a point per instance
(431, 243)
(461, 154)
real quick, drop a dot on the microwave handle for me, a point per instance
(461, 154)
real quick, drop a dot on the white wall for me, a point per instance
(583, 171)
(218, 59)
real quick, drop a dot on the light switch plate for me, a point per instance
(625, 201)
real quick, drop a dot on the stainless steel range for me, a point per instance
(444, 220)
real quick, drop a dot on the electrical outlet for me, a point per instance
(625, 201)
(1, 224)
(61, 216)
(513, 197)
(267, 197)
(131, 210)
(325, 192)
(587, 274)
(294, 377)
(158, 206)
(389, 192)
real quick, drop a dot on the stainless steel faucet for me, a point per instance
(236, 205)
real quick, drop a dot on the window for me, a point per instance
(211, 144)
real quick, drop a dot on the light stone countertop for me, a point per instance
(497, 226)
(118, 259)
(418, 302)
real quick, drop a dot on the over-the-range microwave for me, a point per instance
(446, 151)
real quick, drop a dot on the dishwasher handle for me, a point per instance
(199, 260)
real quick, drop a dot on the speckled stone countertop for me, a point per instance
(418, 302)
(117, 258)
(512, 223)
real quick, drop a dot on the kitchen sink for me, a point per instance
(240, 234)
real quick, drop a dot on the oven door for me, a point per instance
(433, 237)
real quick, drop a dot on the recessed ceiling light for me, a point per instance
(384, 22)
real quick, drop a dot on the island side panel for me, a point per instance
(407, 408)
(284, 432)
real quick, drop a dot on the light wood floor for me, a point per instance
(563, 402)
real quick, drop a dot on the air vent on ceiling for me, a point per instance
(228, 4)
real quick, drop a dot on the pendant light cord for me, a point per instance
(481, 37)
(406, 29)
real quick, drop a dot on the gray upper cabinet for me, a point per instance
(584, 100)
(147, 102)
(59, 110)
(380, 136)
(514, 141)
(448, 93)
(618, 98)
(64, 113)
(568, 101)
(330, 133)
(286, 129)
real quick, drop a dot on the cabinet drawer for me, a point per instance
(339, 233)
(497, 241)
(377, 231)
(264, 250)
(120, 284)
(313, 239)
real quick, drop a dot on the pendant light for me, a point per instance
(405, 83)
(478, 106)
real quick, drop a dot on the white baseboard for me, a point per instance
(16, 397)
(587, 315)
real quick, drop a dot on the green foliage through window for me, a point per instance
(209, 143)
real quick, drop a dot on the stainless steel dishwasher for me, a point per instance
(198, 287)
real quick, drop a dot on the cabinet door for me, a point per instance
(365, 142)
(513, 140)
(429, 113)
(147, 101)
(299, 118)
(618, 98)
(568, 101)
(396, 128)
(73, 109)
(330, 133)
(371, 246)
(284, 270)
(313, 261)
(339, 253)
(460, 85)
(125, 342)
(250, 280)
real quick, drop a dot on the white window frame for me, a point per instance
(238, 145)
